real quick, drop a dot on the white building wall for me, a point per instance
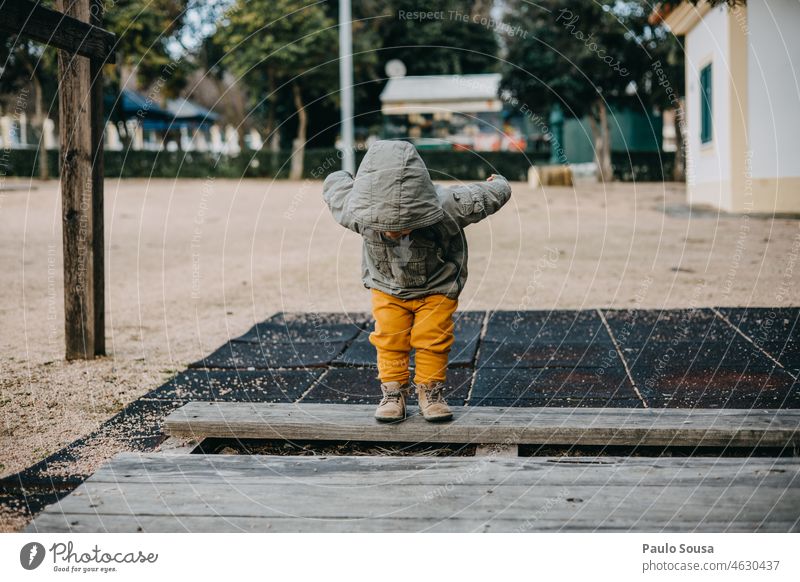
(709, 164)
(773, 60)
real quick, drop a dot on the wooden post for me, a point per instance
(98, 169)
(76, 31)
(32, 20)
(77, 187)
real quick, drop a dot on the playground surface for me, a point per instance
(192, 264)
(548, 378)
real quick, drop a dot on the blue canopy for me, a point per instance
(189, 113)
(179, 112)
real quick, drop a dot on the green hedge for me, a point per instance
(443, 165)
(643, 166)
(24, 163)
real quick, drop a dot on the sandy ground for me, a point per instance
(191, 263)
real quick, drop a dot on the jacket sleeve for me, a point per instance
(470, 203)
(335, 191)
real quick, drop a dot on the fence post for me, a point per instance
(77, 193)
(98, 171)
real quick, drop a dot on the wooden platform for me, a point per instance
(177, 490)
(555, 426)
(730, 380)
(220, 493)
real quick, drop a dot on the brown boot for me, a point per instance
(431, 402)
(393, 405)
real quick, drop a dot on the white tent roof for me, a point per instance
(426, 94)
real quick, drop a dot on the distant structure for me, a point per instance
(742, 116)
(180, 125)
(445, 111)
(469, 112)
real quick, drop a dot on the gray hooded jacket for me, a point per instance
(392, 191)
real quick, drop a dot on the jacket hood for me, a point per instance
(393, 190)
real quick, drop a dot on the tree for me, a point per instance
(147, 37)
(453, 43)
(667, 80)
(458, 39)
(233, 103)
(274, 43)
(583, 55)
(447, 45)
(662, 82)
(25, 61)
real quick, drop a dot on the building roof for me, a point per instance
(130, 104)
(178, 113)
(441, 88)
(425, 94)
(684, 17)
(185, 110)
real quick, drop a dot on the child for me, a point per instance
(414, 259)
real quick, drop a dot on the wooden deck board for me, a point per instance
(93, 523)
(264, 493)
(274, 470)
(485, 425)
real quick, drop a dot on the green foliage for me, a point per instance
(587, 56)
(279, 36)
(713, 3)
(147, 36)
(23, 59)
(440, 46)
(285, 53)
(662, 73)
(628, 166)
(450, 43)
(575, 53)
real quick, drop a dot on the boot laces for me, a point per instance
(391, 396)
(433, 393)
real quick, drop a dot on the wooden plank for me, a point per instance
(63, 31)
(98, 176)
(652, 504)
(176, 446)
(485, 425)
(461, 494)
(433, 471)
(77, 184)
(497, 450)
(53, 522)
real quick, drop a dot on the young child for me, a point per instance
(414, 259)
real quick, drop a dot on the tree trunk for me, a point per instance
(608, 171)
(240, 137)
(273, 134)
(38, 118)
(299, 146)
(38, 122)
(241, 117)
(679, 169)
(598, 120)
(124, 134)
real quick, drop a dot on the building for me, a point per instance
(445, 111)
(630, 131)
(742, 110)
(182, 124)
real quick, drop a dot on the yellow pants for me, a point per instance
(424, 324)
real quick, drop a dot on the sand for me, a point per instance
(191, 263)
